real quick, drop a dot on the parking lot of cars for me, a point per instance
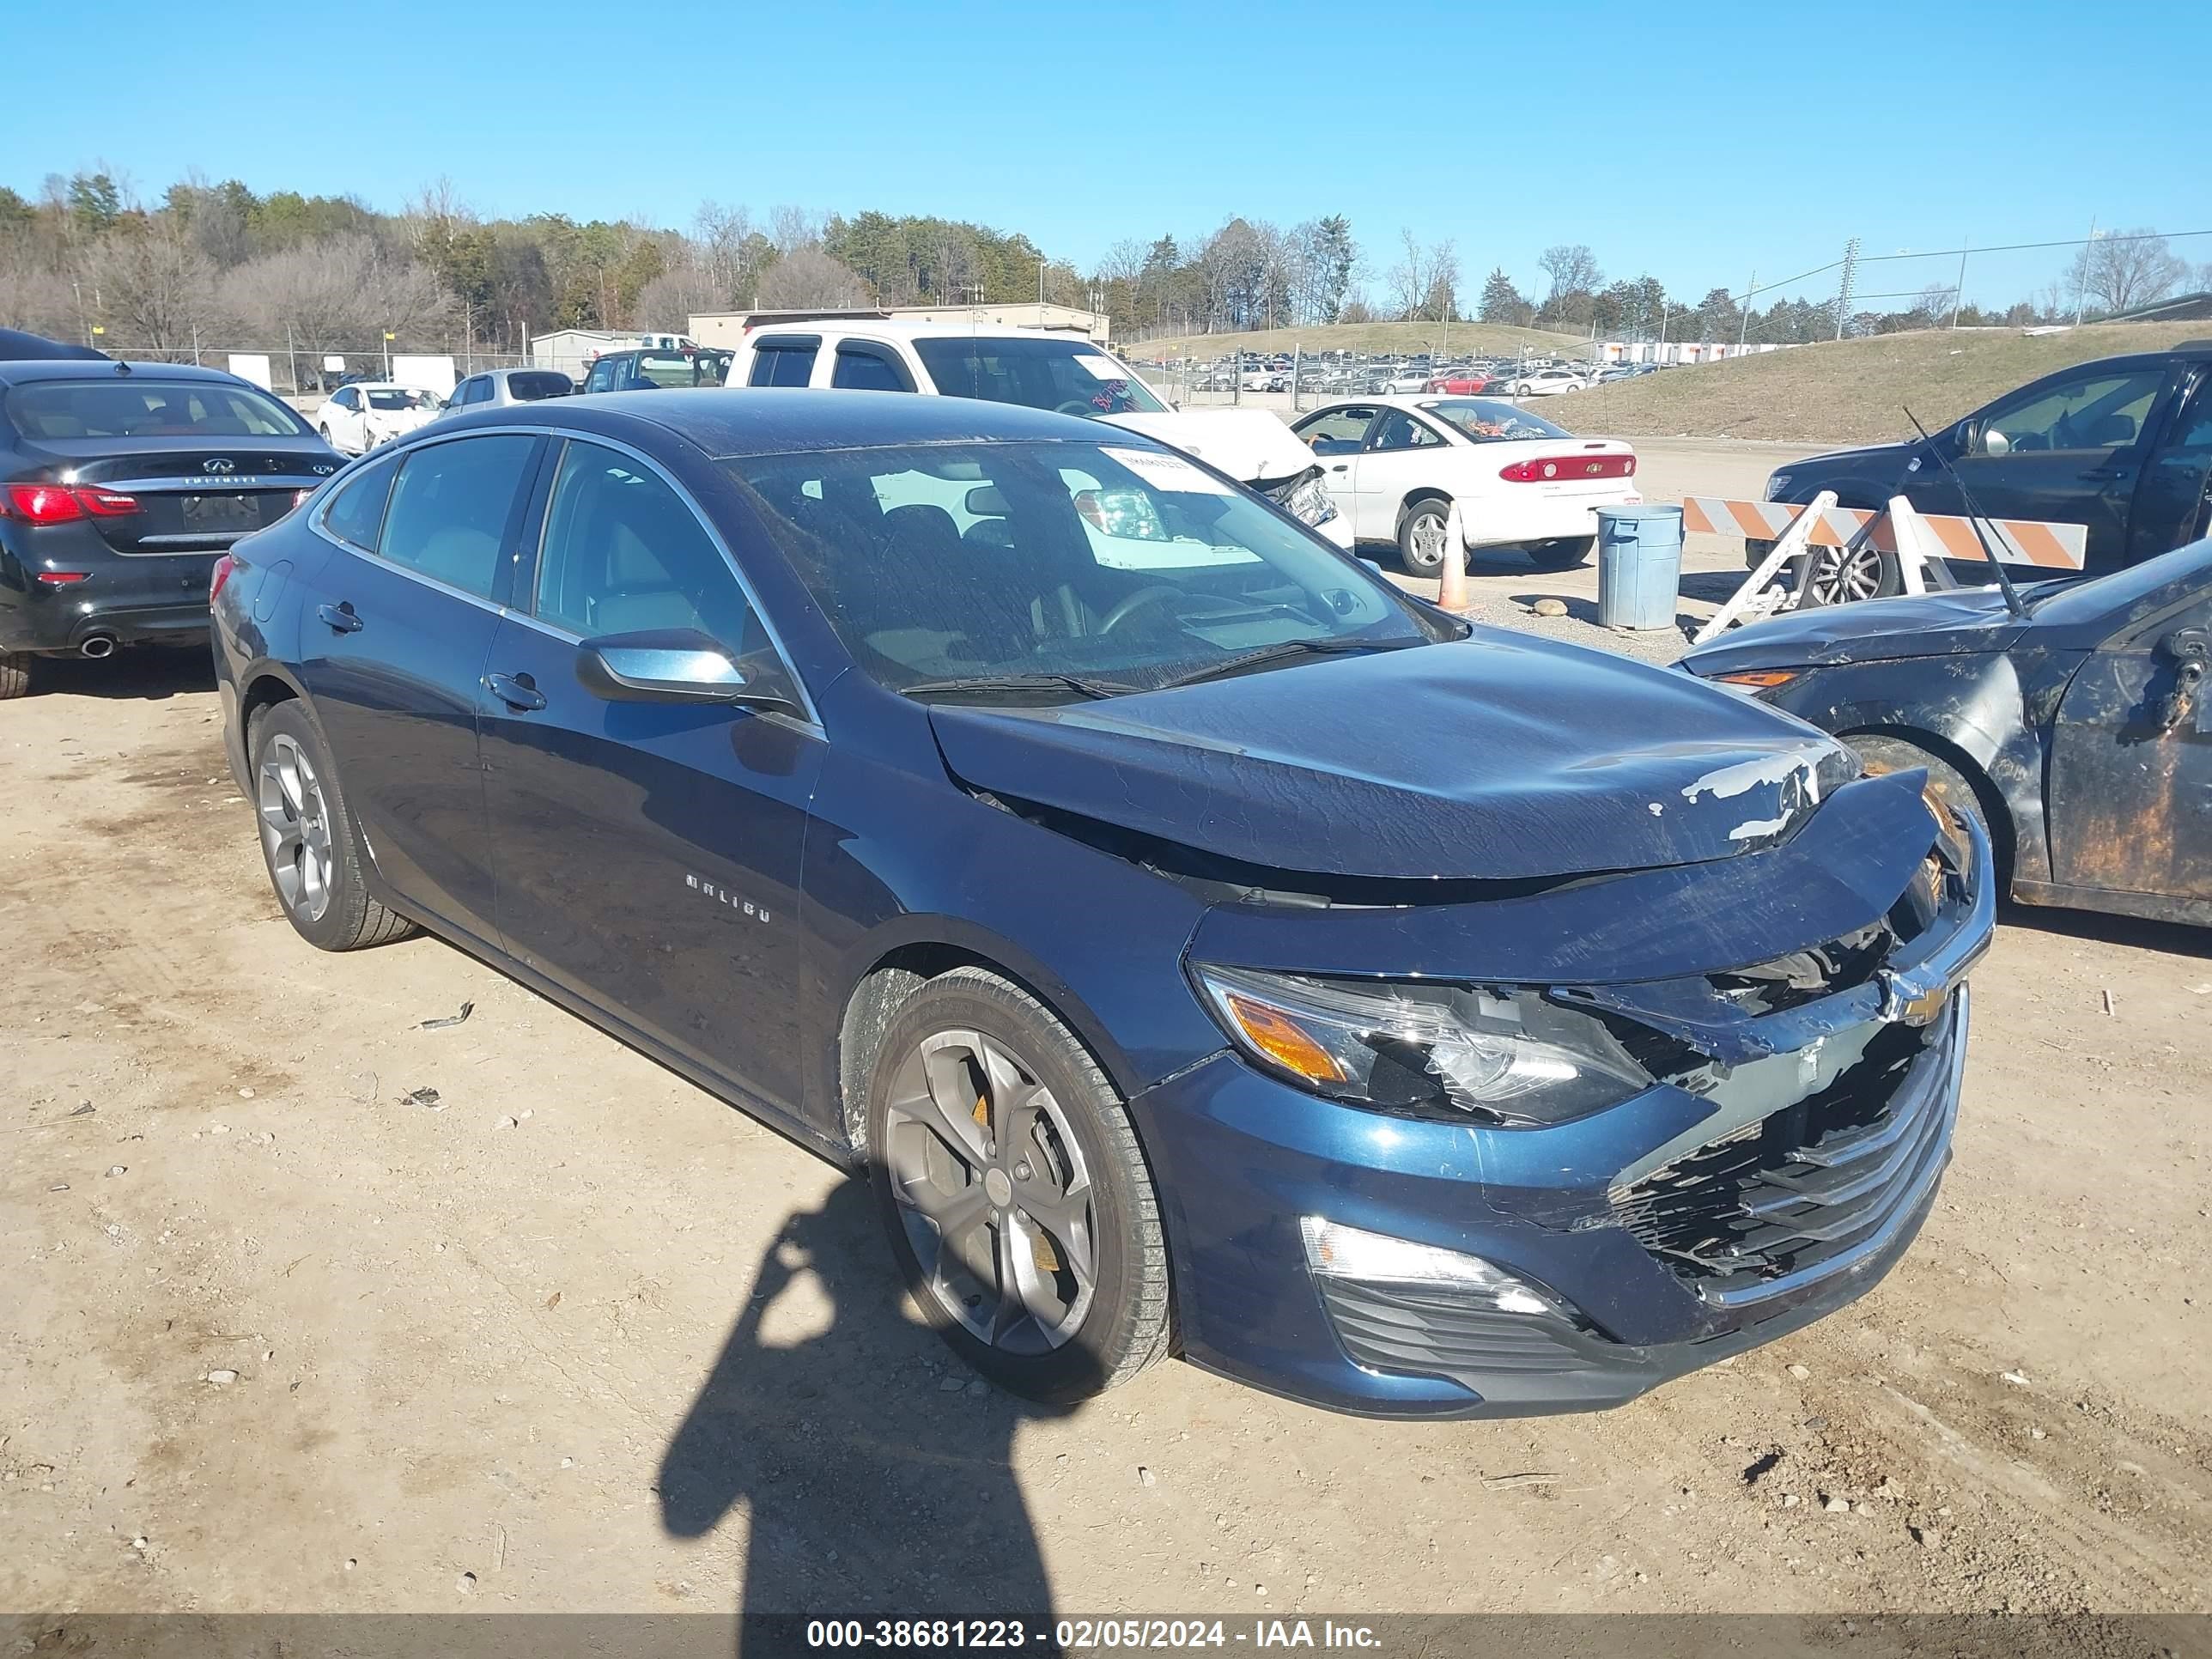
(401, 1226)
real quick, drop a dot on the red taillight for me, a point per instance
(1555, 468)
(218, 576)
(59, 504)
(62, 577)
(43, 503)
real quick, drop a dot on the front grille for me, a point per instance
(1809, 1182)
(1403, 1328)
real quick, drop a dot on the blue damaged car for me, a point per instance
(1200, 946)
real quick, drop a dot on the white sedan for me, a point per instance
(1540, 383)
(1394, 466)
(358, 417)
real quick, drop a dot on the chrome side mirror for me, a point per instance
(682, 665)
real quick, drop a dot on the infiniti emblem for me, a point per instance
(219, 464)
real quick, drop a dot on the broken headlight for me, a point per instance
(1308, 503)
(1422, 1049)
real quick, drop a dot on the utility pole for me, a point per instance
(1743, 326)
(1958, 292)
(1041, 285)
(1843, 290)
(2082, 288)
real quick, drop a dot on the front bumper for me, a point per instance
(1678, 1228)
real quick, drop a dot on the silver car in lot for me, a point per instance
(498, 387)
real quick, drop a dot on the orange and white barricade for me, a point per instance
(1922, 542)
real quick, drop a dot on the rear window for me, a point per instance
(1485, 420)
(141, 408)
(540, 384)
(1072, 376)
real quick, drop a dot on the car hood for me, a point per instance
(1958, 622)
(1885, 459)
(1498, 758)
(1247, 444)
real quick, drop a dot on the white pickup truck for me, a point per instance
(1042, 368)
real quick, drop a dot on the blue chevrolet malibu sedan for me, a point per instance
(1201, 946)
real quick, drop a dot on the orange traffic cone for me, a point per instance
(1451, 589)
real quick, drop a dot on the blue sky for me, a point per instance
(1697, 143)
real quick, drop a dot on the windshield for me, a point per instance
(1113, 562)
(1485, 420)
(1072, 376)
(675, 371)
(142, 408)
(400, 398)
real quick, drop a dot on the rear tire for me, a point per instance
(15, 674)
(1020, 1211)
(1563, 554)
(1421, 529)
(308, 841)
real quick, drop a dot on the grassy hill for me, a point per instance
(1465, 339)
(1849, 390)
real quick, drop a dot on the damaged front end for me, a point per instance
(1615, 1129)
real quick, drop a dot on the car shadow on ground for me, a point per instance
(2174, 939)
(148, 672)
(875, 1469)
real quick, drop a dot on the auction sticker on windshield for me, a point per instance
(1170, 472)
(1100, 368)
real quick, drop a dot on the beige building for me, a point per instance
(727, 328)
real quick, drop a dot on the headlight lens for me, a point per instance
(1776, 485)
(1309, 503)
(1425, 1050)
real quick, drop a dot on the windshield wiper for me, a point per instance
(1019, 684)
(1281, 652)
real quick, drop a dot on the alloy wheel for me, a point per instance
(993, 1192)
(295, 827)
(1835, 576)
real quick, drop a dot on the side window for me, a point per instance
(356, 512)
(1399, 430)
(1337, 432)
(786, 361)
(602, 375)
(450, 506)
(2094, 412)
(478, 390)
(346, 397)
(869, 369)
(624, 553)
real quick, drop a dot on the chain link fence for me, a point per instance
(297, 371)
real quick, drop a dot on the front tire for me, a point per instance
(1421, 530)
(1020, 1211)
(15, 675)
(308, 841)
(1829, 575)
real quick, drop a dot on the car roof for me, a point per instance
(739, 421)
(22, 371)
(901, 329)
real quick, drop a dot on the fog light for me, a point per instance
(1336, 1251)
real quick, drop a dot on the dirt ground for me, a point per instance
(278, 1336)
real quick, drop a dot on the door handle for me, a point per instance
(515, 691)
(339, 616)
(1341, 466)
(2109, 474)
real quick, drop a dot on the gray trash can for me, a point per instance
(1640, 566)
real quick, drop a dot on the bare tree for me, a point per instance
(1573, 268)
(810, 277)
(338, 295)
(32, 296)
(791, 228)
(1409, 277)
(2127, 269)
(156, 290)
(672, 298)
(1442, 300)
